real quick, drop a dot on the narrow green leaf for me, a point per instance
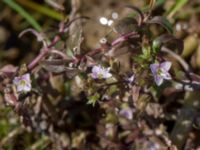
(177, 6)
(146, 52)
(23, 13)
(70, 53)
(156, 46)
(40, 8)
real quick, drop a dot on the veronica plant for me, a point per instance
(106, 88)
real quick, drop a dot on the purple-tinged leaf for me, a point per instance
(7, 71)
(195, 77)
(163, 22)
(135, 93)
(58, 66)
(9, 97)
(167, 39)
(141, 16)
(90, 61)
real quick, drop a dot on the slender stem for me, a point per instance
(10, 135)
(141, 16)
(61, 54)
(114, 43)
(117, 41)
(44, 141)
(187, 85)
(178, 58)
(94, 52)
(123, 38)
(35, 61)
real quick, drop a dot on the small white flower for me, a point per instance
(99, 72)
(23, 83)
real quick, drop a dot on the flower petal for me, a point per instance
(166, 65)
(16, 80)
(94, 75)
(27, 88)
(96, 69)
(127, 113)
(158, 80)
(167, 76)
(23, 83)
(131, 79)
(154, 68)
(26, 77)
(100, 72)
(20, 88)
(107, 75)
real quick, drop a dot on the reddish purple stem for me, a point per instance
(123, 38)
(117, 41)
(35, 61)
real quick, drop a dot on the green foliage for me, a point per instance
(160, 2)
(145, 57)
(156, 46)
(93, 99)
(146, 52)
(112, 89)
(166, 39)
(177, 6)
(23, 13)
(67, 87)
(4, 128)
(70, 53)
(40, 8)
(41, 144)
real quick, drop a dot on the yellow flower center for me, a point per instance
(22, 83)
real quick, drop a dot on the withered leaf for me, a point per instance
(57, 66)
(135, 93)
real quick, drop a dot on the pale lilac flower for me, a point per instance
(153, 146)
(99, 72)
(130, 79)
(127, 113)
(161, 71)
(23, 83)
